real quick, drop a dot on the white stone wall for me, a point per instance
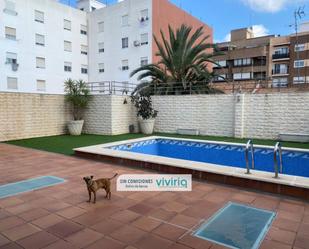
(267, 115)
(250, 116)
(211, 114)
(107, 114)
(32, 115)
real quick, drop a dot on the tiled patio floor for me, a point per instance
(60, 217)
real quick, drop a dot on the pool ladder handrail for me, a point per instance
(277, 150)
(249, 145)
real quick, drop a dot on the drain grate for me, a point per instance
(16, 188)
(237, 226)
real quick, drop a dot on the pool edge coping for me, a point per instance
(102, 149)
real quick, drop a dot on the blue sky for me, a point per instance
(267, 16)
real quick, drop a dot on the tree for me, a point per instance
(182, 67)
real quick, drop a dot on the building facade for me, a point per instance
(251, 64)
(44, 42)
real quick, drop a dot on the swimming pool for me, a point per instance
(295, 162)
(211, 161)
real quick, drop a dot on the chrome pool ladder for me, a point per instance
(277, 150)
(249, 145)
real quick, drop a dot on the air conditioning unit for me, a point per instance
(137, 43)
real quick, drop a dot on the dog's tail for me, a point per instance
(113, 176)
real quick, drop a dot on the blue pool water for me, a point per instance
(294, 162)
(237, 226)
(28, 185)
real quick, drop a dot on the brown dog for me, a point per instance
(94, 185)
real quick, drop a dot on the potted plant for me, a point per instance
(145, 113)
(78, 95)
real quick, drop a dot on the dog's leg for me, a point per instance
(95, 197)
(89, 193)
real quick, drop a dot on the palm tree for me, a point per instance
(182, 67)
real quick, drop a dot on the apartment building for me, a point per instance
(251, 63)
(44, 42)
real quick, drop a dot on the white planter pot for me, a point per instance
(75, 127)
(146, 125)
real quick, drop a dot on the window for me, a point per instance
(12, 83)
(101, 67)
(68, 46)
(125, 42)
(41, 85)
(83, 29)
(84, 49)
(144, 61)
(40, 62)
(11, 58)
(68, 66)
(299, 63)
(280, 69)
(125, 65)
(101, 47)
(84, 69)
(299, 80)
(101, 27)
(39, 16)
(144, 15)
(144, 39)
(242, 62)
(280, 82)
(93, 8)
(283, 50)
(299, 47)
(10, 33)
(39, 40)
(10, 8)
(67, 24)
(125, 20)
(221, 63)
(241, 76)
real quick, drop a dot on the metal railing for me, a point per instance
(111, 87)
(249, 145)
(277, 150)
(254, 87)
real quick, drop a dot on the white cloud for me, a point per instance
(258, 30)
(271, 6)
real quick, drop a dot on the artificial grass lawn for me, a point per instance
(64, 144)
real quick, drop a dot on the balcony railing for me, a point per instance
(281, 56)
(281, 71)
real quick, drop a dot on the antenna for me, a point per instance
(298, 15)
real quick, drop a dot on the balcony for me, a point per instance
(281, 71)
(281, 56)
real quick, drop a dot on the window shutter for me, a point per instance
(101, 26)
(12, 83)
(10, 31)
(39, 39)
(84, 49)
(67, 46)
(41, 85)
(144, 38)
(40, 62)
(67, 24)
(39, 16)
